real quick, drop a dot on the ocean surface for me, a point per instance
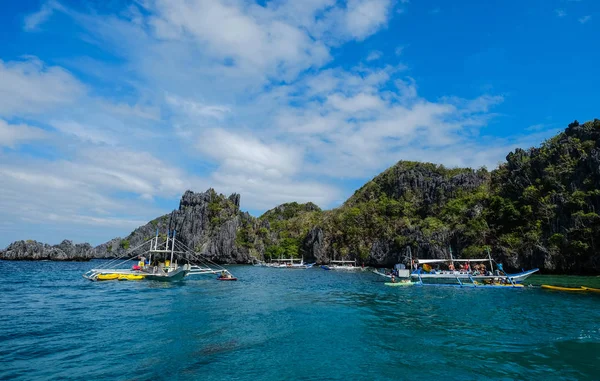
(278, 324)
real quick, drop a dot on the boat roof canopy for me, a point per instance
(423, 261)
(286, 259)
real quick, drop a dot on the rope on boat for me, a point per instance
(128, 253)
(198, 258)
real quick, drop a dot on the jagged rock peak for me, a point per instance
(191, 199)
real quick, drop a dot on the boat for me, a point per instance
(343, 265)
(399, 284)
(567, 289)
(159, 260)
(423, 271)
(289, 263)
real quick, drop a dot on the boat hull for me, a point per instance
(343, 268)
(448, 276)
(169, 277)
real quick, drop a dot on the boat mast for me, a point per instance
(491, 262)
(172, 247)
(451, 258)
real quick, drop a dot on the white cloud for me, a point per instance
(30, 87)
(247, 154)
(12, 135)
(374, 55)
(585, 19)
(364, 17)
(355, 124)
(34, 20)
(84, 133)
(560, 12)
(196, 109)
(85, 189)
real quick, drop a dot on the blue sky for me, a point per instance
(110, 110)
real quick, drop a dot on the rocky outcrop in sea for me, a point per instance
(37, 251)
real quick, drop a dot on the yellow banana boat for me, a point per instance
(108, 276)
(568, 289)
(591, 289)
(131, 277)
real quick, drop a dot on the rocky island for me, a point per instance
(538, 209)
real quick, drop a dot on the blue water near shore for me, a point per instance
(286, 325)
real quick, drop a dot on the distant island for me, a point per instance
(538, 209)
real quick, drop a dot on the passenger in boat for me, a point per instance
(393, 278)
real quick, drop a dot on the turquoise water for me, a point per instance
(286, 325)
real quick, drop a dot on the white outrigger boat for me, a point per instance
(343, 265)
(423, 274)
(289, 263)
(158, 260)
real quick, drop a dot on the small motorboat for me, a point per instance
(226, 278)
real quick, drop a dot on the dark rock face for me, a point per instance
(205, 222)
(313, 247)
(208, 223)
(34, 251)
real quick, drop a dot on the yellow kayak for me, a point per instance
(591, 289)
(108, 276)
(399, 284)
(131, 277)
(570, 289)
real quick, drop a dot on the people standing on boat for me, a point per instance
(393, 278)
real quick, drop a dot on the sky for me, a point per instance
(111, 109)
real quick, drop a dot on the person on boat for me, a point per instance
(393, 278)
(451, 267)
(222, 274)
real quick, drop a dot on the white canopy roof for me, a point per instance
(423, 261)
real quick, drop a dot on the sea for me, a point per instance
(280, 324)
